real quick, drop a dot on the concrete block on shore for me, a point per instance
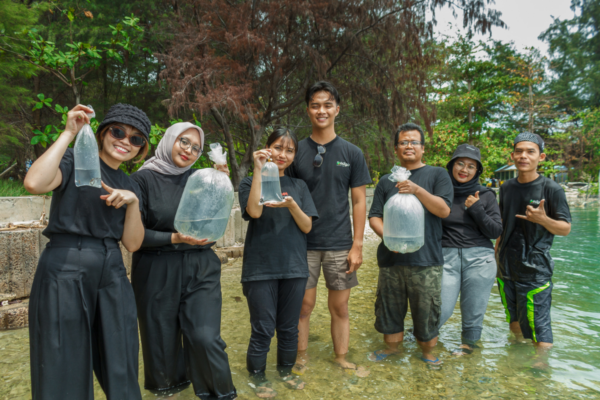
(19, 254)
(14, 315)
(229, 237)
(237, 222)
(28, 208)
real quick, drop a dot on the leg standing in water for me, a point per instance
(416, 277)
(534, 209)
(331, 167)
(177, 281)
(80, 314)
(469, 262)
(275, 267)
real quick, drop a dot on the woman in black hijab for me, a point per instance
(469, 262)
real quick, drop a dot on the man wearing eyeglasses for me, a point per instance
(331, 167)
(414, 278)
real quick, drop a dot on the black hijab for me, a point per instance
(472, 186)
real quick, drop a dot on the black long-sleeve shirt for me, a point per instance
(160, 198)
(475, 226)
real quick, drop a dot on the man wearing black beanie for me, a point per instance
(534, 209)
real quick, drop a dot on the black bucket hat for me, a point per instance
(469, 151)
(129, 115)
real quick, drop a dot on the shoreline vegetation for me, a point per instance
(56, 54)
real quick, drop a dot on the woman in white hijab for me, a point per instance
(177, 280)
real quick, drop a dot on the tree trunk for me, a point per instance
(530, 124)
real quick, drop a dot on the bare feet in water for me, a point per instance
(463, 350)
(264, 391)
(301, 363)
(351, 368)
(294, 382)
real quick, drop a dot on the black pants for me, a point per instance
(178, 296)
(82, 317)
(274, 305)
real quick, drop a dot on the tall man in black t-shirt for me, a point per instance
(534, 209)
(414, 278)
(331, 167)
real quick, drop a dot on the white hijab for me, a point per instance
(162, 162)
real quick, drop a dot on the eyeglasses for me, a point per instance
(470, 167)
(405, 143)
(186, 144)
(120, 134)
(318, 161)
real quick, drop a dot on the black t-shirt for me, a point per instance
(161, 195)
(80, 211)
(475, 226)
(343, 167)
(524, 251)
(437, 182)
(275, 247)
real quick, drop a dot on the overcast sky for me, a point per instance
(526, 20)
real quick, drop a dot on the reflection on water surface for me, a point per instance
(500, 369)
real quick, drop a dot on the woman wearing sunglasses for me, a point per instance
(469, 262)
(81, 311)
(177, 280)
(275, 267)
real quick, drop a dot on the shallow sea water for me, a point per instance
(500, 369)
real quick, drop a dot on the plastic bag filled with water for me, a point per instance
(270, 188)
(403, 218)
(207, 201)
(87, 158)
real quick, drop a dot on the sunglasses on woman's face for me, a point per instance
(120, 134)
(318, 161)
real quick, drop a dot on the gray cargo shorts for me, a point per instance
(335, 265)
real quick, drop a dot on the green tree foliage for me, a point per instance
(575, 56)
(15, 99)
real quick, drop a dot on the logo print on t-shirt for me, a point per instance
(342, 164)
(534, 202)
(284, 194)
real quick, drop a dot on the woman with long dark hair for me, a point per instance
(82, 315)
(469, 262)
(177, 280)
(275, 267)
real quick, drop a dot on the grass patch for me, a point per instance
(12, 189)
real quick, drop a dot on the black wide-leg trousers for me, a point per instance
(274, 305)
(82, 317)
(178, 297)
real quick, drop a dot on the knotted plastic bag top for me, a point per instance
(217, 155)
(399, 174)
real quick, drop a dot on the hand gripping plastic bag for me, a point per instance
(403, 218)
(207, 201)
(270, 188)
(87, 158)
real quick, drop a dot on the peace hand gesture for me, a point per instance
(472, 200)
(117, 197)
(535, 215)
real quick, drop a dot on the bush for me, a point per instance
(10, 188)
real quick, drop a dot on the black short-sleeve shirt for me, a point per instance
(434, 180)
(275, 247)
(343, 167)
(524, 251)
(161, 195)
(80, 211)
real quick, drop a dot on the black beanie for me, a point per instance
(129, 115)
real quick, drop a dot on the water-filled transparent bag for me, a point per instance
(270, 188)
(87, 158)
(207, 200)
(403, 218)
